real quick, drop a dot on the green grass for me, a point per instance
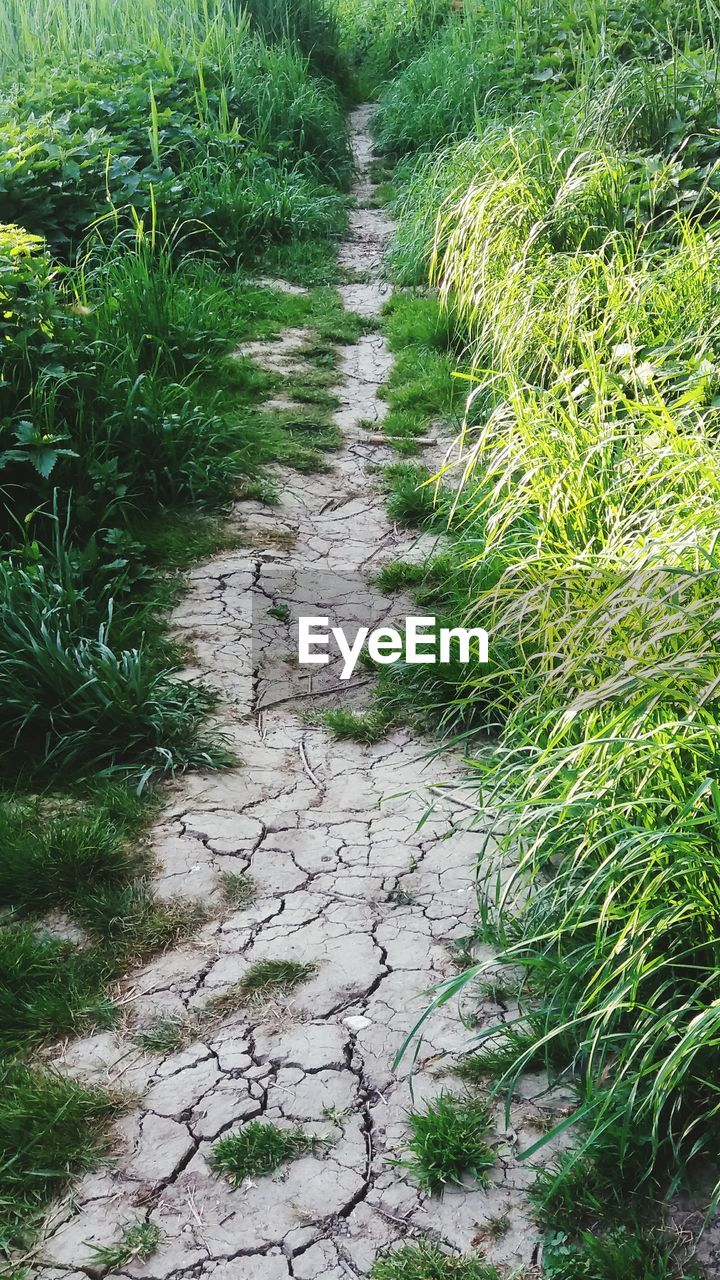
(51, 1128)
(412, 494)
(427, 1261)
(264, 981)
(162, 1035)
(258, 1149)
(238, 889)
(365, 726)
(137, 1242)
(449, 1141)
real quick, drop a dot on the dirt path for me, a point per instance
(327, 830)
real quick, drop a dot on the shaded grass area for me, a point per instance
(50, 1126)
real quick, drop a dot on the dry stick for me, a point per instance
(453, 799)
(423, 440)
(315, 693)
(306, 766)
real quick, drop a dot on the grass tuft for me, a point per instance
(138, 1242)
(427, 1261)
(259, 1149)
(449, 1141)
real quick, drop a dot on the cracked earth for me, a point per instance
(346, 881)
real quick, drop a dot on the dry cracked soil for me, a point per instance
(347, 881)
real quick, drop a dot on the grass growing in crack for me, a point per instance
(139, 1241)
(265, 980)
(426, 1261)
(258, 1149)
(162, 1035)
(238, 889)
(366, 726)
(449, 1141)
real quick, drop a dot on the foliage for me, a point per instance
(51, 1127)
(426, 1261)
(259, 1149)
(448, 1140)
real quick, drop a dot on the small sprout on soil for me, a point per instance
(400, 897)
(258, 1149)
(162, 1035)
(426, 1261)
(449, 1140)
(238, 890)
(139, 1241)
(493, 1228)
(280, 611)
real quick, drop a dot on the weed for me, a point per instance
(238, 890)
(259, 1149)
(264, 980)
(449, 1141)
(413, 495)
(367, 726)
(162, 1035)
(426, 1261)
(138, 1241)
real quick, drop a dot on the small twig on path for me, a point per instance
(306, 766)
(453, 799)
(421, 440)
(315, 693)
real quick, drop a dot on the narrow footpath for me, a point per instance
(346, 882)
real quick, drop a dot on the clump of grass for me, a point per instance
(238, 889)
(51, 1128)
(162, 1035)
(449, 1141)
(264, 980)
(368, 726)
(414, 498)
(134, 924)
(427, 1261)
(640, 1254)
(259, 1149)
(138, 1242)
(399, 575)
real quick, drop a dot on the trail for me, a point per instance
(347, 881)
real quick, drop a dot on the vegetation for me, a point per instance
(138, 1241)
(264, 980)
(153, 159)
(556, 181)
(259, 1149)
(553, 169)
(426, 1261)
(448, 1140)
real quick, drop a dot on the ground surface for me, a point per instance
(346, 881)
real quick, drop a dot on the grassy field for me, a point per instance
(153, 158)
(554, 171)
